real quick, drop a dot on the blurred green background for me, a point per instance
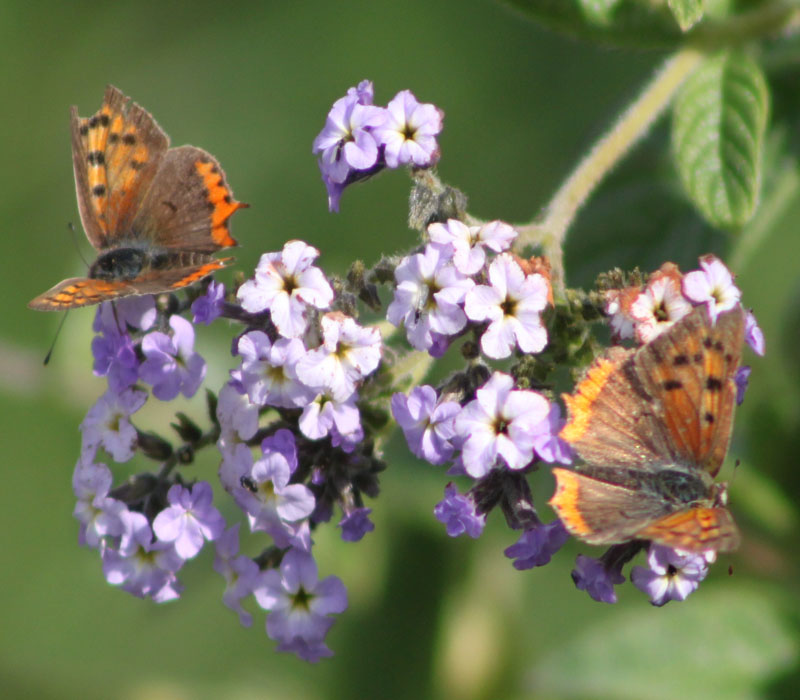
(429, 616)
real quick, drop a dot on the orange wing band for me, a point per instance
(586, 394)
(219, 196)
(565, 502)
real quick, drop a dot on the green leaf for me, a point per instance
(613, 22)
(725, 642)
(718, 127)
(687, 12)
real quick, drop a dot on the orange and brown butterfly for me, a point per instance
(154, 214)
(652, 426)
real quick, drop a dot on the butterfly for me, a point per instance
(154, 214)
(652, 426)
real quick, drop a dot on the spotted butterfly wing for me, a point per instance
(156, 215)
(689, 373)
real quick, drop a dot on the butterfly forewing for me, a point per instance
(123, 150)
(690, 373)
(605, 426)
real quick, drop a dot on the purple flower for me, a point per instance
(458, 514)
(334, 189)
(429, 297)
(263, 491)
(172, 366)
(537, 545)
(546, 441)
(500, 423)
(269, 373)
(347, 141)
(427, 426)
(308, 650)
(713, 286)
(592, 576)
(672, 575)
(139, 311)
(240, 573)
(113, 351)
(741, 379)
(300, 604)
(100, 516)
(356, 524)
(324, 415)
(190, 519)
(238, 418)
(512, 305)
(364, 92)
(284, 444)
(140, 566)
(753, 335)
(468, 242)
(349, 352)
(208, 307)
(107, 424)
(285, 283)
(409, 131)
(439, 346)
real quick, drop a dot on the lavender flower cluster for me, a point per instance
(361, 139)
(299, 423)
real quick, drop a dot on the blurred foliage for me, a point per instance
(429, 616)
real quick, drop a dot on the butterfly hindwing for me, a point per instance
(168, 280)
(189, 203)
(694, 530)
(80, 291)
(602, 513)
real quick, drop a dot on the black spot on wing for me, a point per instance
(714, 384)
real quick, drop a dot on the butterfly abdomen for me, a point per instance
(128, 263)
(668, 485)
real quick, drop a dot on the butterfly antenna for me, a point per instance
(53, 344)
(74, 233)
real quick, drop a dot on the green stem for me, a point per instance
(631, 126)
